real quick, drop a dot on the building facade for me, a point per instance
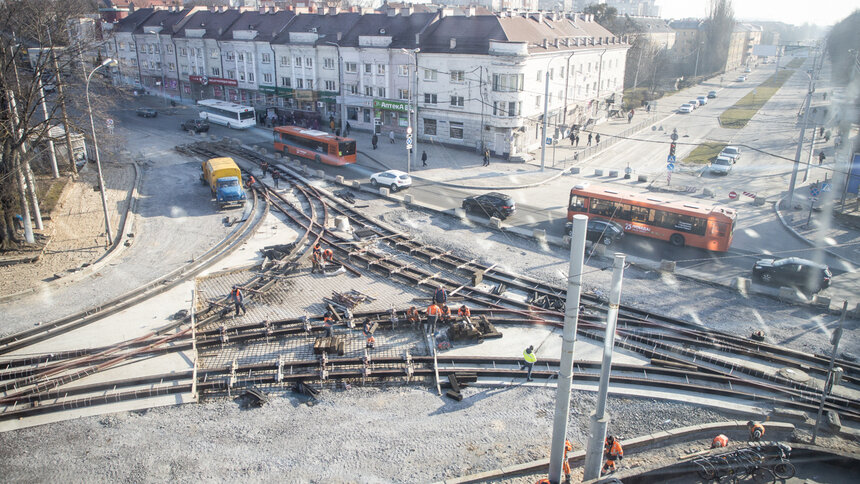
(476, 81)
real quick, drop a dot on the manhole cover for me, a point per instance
(793, 374)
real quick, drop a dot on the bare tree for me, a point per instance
(718, 36)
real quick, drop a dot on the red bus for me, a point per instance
(660, 216)
(315, 145)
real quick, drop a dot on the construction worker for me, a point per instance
(412, 315)
(251, 181)
(464, 312)
(446, 313)
(614, 452)
(371, 342)
(316, 260)
(238, 299)
(265, 166)
(328, 255)
(365, 328)
(440, 296)
(529, 359)
(565, 466)
(433, 313)
(276, 176)
(327, 324)
(756, 430)
(720, 441)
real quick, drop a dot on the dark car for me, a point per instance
(793, 271)
(147, 112)
(602, 231)
(492, 204)
(196, 125)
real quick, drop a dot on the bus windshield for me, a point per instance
(246, 115)
(346, 148)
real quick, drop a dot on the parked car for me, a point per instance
(733, 152)
(722, 165)
(147, 112)
(393, 179)
(686, 108)
(793, 271)
(741, 79)
(196, 125)
(712, 94)
(491, 204)
(702, 100)
(694, 103)
(602, 231)
(747, 70)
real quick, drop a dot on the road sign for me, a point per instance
(408, 146)
(409, 130)
(670, 159)
(814, 191)
(813, 199)
(750, 194)
(548, 140)
(109, 121)
(826, 187)
(670, 166)
(733, 195)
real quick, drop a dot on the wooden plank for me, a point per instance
(454, 395)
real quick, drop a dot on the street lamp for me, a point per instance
(107, 62)
(340, 85)
(413, 54)
(696, 70)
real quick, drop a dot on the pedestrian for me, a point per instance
(265, 166)
(720, 441)
(821, 132)
(577, 141)
(756, 430)
(827, 136)
(19, 221)
(348, 127)
(238, 300)
(648, 108)
(597, 139)
(316, 264)
(529, 359)
(821, 157)
(629, 116)
(565, 466)
(572, 137)
(613, 452)
(423, 158)
(391, 136)
(331, 125)
(276, 176)
(374, 140)
(589, 139)
(440, 296)
(486, 157)
(412, 315)
(433, 313)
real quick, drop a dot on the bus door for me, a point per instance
(578, 204)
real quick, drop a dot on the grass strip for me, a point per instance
(704, 153)
(737, 116)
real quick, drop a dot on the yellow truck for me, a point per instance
(225, 181)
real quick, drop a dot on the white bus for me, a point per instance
(227, 113)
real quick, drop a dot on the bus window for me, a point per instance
(720, 229)
(346, 148)
(641, 214)
(577, 203)
(246, 115)
(604, 208)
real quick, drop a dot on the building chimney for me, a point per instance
(453, 43)
(391, 12)
(471, 11)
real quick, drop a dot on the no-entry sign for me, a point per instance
(733, 195)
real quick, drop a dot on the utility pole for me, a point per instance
(340, 84)
(696, 69)
(793, 181)
(56, 172)
(565, 369)
(545, 109)
(415, 99)
(828, 384)
(599, 419)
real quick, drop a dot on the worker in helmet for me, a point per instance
(756, 430)
(565, 466)
(720, 441)
(613, 452)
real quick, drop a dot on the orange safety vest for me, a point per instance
(316, 256)
(464, 312)
(412, 314)
(446, 311)
(755, 427)
(720, 441)
(615, 451)
(236, 294)
(328, 254)
(433, 310)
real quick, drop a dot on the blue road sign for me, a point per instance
(826, 187)
(548, 140)
(813, 189)
(670, 166)
(670, 159)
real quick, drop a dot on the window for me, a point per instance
(550, 74)
(430, 127)
(267, 77)
(380, 69)
(241, 56)
(458, 76)
(169, 49)
(213, 53)
(300, 83)
(157, 49)
(498, 108)
(537, 101)
(368, 91)
(561, 72)
(200, 52)
(286, 82)
(353, 89)
(329, 86)
(380, 91)
(429, 98)
(266, 58)
(403, 70)
(309, 83)
(122, 46)
(351, 67)
(328, 63)
(298, 61)
(250, 77)
(430, 75)
(309, 62)
(539, 75)
(229, 56)
(171, 67)
(216, 71)
(231, 74)
(456, 130)
(368, 68)
(242, 76)
(515, 108)
(285, 60)
(508, 82)
(151, 48)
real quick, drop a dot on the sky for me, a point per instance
(797, 12)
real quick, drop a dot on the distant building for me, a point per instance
(639, 8)
(114, 10)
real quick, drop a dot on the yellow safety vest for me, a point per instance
(529, 357)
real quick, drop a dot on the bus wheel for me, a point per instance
(677, 240)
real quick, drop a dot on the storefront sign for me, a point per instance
(391, 105)
(268, 89)
(304, 95)
(206, 80)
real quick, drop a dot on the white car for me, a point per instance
(733, 152)
(694, 103)
(393, 179)
(747, 70)
(702, 100)
(741, 78)
(722, 165)
(686, 108)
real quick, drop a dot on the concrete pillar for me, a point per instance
(613, 173)
(496, 223)
(320, 173)
(596, 436)
(342, 223)
(667, 266)
(339, 179)
(383, 191)
(356, 184)
(598, 172)
(574, 170)
(407, 198)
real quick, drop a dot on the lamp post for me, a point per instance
(696, 69)
(340, 86)
(641, 48)
(96, 147)
(413, 54)
(807, 102)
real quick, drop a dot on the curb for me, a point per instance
(125, 226)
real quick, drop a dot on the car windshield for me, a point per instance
(730, 151)
(227, 183)
(722, 161)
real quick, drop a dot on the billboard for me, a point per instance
(854, 175)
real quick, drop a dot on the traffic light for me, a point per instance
(672, 149)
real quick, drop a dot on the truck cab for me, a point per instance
(225, 181)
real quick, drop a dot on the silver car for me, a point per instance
(722, 165)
